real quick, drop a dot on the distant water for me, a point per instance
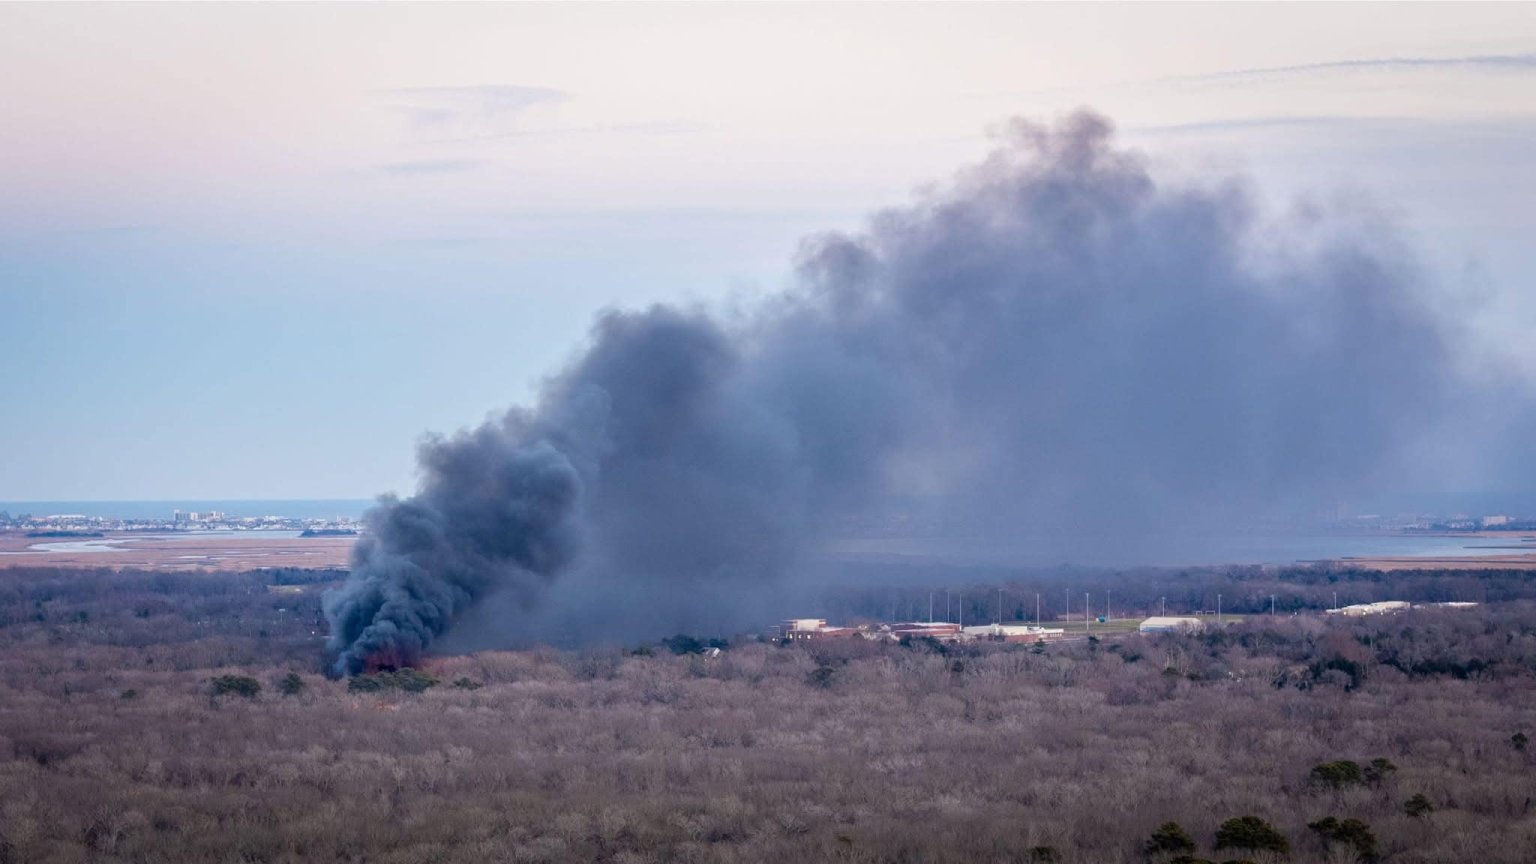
(351, 508)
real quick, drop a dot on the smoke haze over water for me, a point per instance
(1054, 345)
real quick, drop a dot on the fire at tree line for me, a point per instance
(187, 717)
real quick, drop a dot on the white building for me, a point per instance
(1378, 608)
(801, 629)
(1014, 633)
(1169, 624)
(791, 624)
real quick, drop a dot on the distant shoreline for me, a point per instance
(294, 508)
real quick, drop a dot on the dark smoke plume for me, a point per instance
(495, 511)
(1053, 346)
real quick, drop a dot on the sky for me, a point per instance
(257, 251)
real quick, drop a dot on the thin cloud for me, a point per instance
(1493, 62)
(431, 166)
(488, 104)
(1207, 126)
(1486, 127)
(1519, 62)
(652, 127)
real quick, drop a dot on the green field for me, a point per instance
(1131, 625)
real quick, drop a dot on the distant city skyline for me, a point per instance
(258, 251)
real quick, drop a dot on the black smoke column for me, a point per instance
(494, 512)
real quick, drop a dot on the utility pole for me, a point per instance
(1165, 606)
(1087, 614)
(1037, 609)
(1335, 601)
(930, 607)
(948, 616)
(999, 607)
(961, 604)
(1218, 608)
(1107, 617)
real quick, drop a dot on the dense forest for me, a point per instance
(151, 717)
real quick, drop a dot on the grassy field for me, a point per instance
(1131, 625)
(230, 551)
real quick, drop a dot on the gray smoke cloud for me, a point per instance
(1052, 346)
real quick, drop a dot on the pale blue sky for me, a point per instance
(257, 251)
